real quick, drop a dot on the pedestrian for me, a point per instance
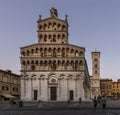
(79, 100)
(103, 102)
(95, 102)
(39, 104)
(99, 99)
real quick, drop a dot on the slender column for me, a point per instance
(24, 87)
(31, 89)
(47, 90)
(39, 89)
(48, 93)
(67, 88)
(76, 87)
(59, 87)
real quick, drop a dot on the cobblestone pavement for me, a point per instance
(60, 112)
(60, 108)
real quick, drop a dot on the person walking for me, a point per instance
(103, 102)
(95, 102)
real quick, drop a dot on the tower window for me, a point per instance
(96, 60)
(95, 72)
(96, 65)
(32, 67)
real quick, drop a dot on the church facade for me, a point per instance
(53, 69)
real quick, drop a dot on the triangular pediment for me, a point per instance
(52, 19)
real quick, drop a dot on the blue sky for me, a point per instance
(93, 24)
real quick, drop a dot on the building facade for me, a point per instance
(95, 78)
(116, 89)
(9, 85)
(53, 69)
(106, 87)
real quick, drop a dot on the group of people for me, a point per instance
(99, 101)
(16, 103)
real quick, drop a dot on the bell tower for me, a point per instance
(95, 79)
(96, 65)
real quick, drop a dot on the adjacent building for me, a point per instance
(106, 87)
(116, 89)
(53, 69)
(9, 85)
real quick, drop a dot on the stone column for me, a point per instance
(22, 88)
(39, 89)
(75, 87)
(31, 89)
(59, 87)
(82, 89)
(47, 89)
(67, 89)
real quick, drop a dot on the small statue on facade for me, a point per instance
(53, 12)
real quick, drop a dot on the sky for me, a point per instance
(93, 24)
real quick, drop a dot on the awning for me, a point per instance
(8, 96)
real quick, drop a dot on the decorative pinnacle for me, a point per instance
(66, 17)
(40, 17)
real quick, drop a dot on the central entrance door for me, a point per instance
(53, 93)
(35, 94)
(71, 94)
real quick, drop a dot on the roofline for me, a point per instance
(51, 44)
(50, 18)
(9, 72)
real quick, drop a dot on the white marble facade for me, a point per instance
(53, 69)
(63, 84)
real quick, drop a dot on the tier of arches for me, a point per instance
(52, 26)
(52, 38)
(53, 52)
(52, 76)
(59, 65)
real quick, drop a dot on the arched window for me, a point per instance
(40, 37)
(95, 59)
(81, 53)
(40, 27)
(81, 62)
(63, 27)
(95, 71)
(28, 62)
(23, 53)
(58, 36)
(95, 65)
(32, 51)
(54, 52)
(32, 62)
(59, 26)
(36, 50)
(23, 62)
(28, 52)
(72, 51)
(32, 67)
(76, 53)
(36, 62)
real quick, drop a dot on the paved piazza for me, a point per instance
(61, 108)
